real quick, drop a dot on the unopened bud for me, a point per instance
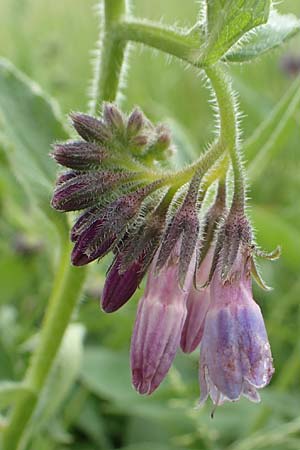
(83, 222)
(90, 128)
(83, 191)
(119, 287)
(135, 122)
(113, 117)
(79, 155)
(66, 176)
(92, 244)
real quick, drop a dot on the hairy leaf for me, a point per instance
(29, 124)
(228, 21)
(267, 37)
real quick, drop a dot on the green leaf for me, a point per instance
(106, 373)
(11, 391)
(228, 21)
(29, 123)
(267, 37)
(262, 146)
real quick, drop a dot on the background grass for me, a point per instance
(96, 408)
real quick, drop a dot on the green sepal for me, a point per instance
(257, 277)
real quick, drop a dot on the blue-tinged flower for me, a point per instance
(235, 357)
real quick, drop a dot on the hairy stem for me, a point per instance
(166, 39)
(69, 280)
(228, 128)
(66, 289)
(110, 59)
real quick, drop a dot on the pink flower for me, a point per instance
(159, 323)
(235, 355)
(197, 306)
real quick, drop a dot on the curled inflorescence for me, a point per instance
(199, 285)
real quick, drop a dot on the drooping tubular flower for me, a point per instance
(159, 323)
(198, 290)
(235, 355)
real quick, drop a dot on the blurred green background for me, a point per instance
(90, 401)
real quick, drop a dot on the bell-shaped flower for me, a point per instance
(197, 306)
(158, 327)
(235, 357)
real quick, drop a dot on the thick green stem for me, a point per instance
(69, 280)
(229, 128)
(182, 45)
(66, 289)
(109, 63)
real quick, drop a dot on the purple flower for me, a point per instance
(235, 355)
(158, 327)
(197, 306)
(120, 286)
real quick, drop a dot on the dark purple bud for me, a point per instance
(90, 128)
(119, 287)
(79, 155)
(66, 176)
(98, 239)
(83, 222)
(84, 190)
(113, 117)
(92, 244)
(135, 122)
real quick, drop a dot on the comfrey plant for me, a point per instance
(187, 228)
(200, 264)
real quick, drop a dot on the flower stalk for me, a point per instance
(66, 290)
(228, 113)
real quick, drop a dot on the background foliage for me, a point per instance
(90, 402)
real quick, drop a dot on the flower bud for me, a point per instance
(135, 122)
(92, 244)
(159, 145)
(119, 287)
(98, 238)
(83, 191)
(83, 222)
(79, 155)
(66, 176)
(113, 117)
(90, 128)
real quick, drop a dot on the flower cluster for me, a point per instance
(198, 291)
